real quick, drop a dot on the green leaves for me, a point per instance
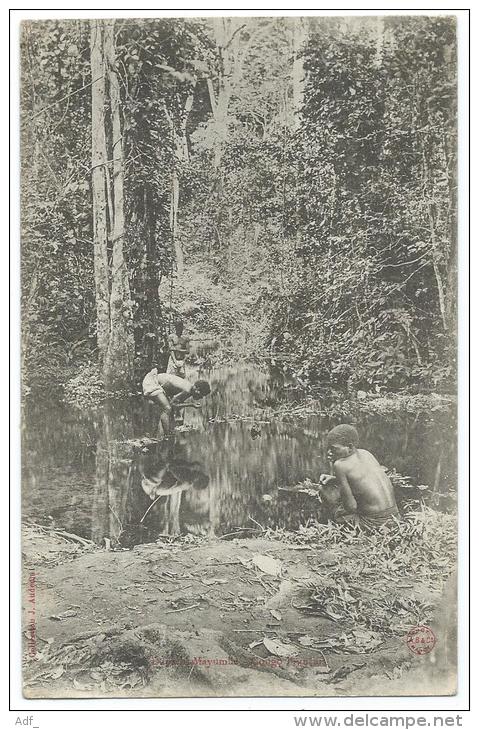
(367, 202)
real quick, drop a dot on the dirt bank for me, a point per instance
(208, 618)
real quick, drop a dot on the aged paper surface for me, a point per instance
(239, 305)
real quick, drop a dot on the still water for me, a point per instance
(101, 474)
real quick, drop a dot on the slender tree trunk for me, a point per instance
(29, 182)
(299, 40)
(99, 161)
(451, 289)
(153, 308)
(379, 33)
(226, 38)
(174, 202)
(451, 282)
(435, 252)
(182, 145)
(118, 370)
(435, 256)
(212, 95)
(181, 156)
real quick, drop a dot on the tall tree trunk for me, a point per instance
(451, 283)
(436, 258)
(379, 33)
(181, 157)
(154, 345)
(99, 162)
(174, 202)
(118, 369)
(227, 36)
(300, 31)
(299, 40)
(182, 140)
(226, 32)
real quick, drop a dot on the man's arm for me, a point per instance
(179, 404)
(347, 497)
(325, 479)
(183, 395)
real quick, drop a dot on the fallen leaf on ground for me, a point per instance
(276, 614)
(278, 648)
(266, 564)
(63, 615)
(283, 596)
(80, 686)
(255, 643)
(334, 616)
(212, 581)
(344, 671)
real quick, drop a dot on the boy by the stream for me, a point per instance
(170, 392)
(364, 487)
(179, 346)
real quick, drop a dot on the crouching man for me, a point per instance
(169, 392)
(364, 488)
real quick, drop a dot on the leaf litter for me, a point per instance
(368, 587)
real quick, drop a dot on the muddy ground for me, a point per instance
(211, 618)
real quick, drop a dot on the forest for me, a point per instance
(285, 185)
(286, 493)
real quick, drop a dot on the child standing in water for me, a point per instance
(179, 346)
(364, 487)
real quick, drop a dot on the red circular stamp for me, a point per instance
(421, 640)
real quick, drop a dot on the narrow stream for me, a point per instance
(100, 474)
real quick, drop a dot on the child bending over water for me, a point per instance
(364, 487)
(170, 391)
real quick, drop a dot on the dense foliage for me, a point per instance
(296, 179)
(377, 193)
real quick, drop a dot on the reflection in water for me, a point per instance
(113, 472)
(102, 474)
(144, 490)
(172, 483)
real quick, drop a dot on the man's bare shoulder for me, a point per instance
(341, 466)
(366, 455)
